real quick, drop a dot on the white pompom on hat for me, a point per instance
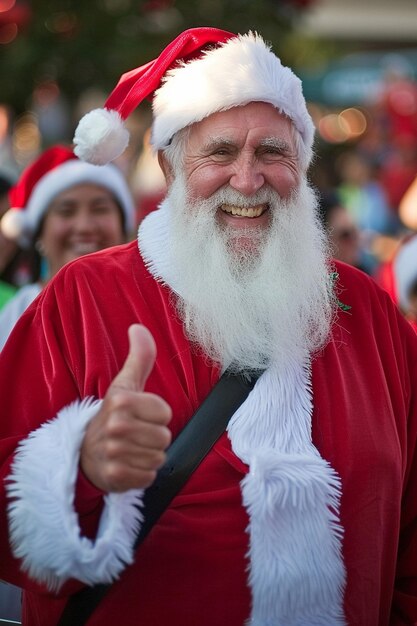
(55, 170)
(203, 71)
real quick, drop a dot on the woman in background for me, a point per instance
(65, 208)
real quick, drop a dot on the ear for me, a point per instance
(166, 168)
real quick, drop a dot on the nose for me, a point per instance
(247, 178)
(83, 222)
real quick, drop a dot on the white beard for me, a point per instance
(264, 302)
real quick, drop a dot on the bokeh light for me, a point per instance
(46, 93)
(8, 33)
(353, 121)
(6, 5)
(62, 23)
(4, 122)
(347, 125)
(26, 138)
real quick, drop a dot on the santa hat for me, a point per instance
(55, 170)
(204, 70)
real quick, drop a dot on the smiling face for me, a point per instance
(243, 239)
(246, 150)
(80, 220)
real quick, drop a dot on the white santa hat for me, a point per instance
(203, 71)
(55, 170)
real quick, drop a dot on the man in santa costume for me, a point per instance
(304, 513)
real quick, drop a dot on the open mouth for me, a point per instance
(237, 211)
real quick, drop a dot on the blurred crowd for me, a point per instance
(368, 192)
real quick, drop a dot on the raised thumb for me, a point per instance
(139, 361)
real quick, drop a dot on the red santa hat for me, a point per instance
(204, 70)
(55, 170)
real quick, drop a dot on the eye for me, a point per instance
(272, 150)
(103, 207)
(218, 146)
(99, 209)
(222, 153)
(65, 211)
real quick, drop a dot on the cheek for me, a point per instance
(203, 183)
(284, 180)
(54, 234)
(111, 229)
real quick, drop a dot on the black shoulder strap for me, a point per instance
(183, 457)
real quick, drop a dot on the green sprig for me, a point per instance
(334, 277)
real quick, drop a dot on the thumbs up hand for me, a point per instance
(125, 443)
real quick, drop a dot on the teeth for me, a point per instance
(255, 211)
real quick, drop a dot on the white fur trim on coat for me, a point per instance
(292, 495)
(242, 70)
(44, 527)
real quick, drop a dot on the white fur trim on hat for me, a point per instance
(242, 70)
(100, 136)
(44, 527)
(405, 271)
(23, 224)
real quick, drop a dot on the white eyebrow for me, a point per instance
(213, 142)
(267, 142)
(274, 142)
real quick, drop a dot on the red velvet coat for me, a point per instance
(192, 568)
